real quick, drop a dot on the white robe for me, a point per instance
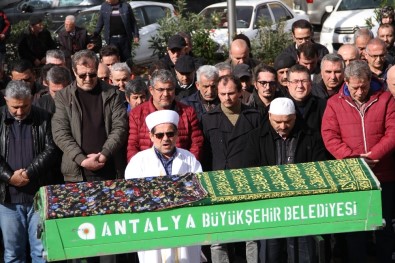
(147, 164)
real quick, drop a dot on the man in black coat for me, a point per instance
(302, 31)
(35, 42)
(309, 107)
(73, 39)
(226, 130)
(284, 140)
(27, 153)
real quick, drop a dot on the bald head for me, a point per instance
(349, 53)
(391, 80)
(103, 72)
(239, 52)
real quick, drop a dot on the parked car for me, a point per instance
(147, 14)
(347, 17)
(315, 9)
(248, 13)
(54, 11)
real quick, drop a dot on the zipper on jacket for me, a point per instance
(362, 114)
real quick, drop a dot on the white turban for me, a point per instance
(160, 117)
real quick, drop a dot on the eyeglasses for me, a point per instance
(91, 75)
(296, 81)
(160, 135)
(264, 83)
(161, 90)
(376, 56)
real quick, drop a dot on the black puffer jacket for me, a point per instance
(45, 151)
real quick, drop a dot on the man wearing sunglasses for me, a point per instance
(162, 90)
(164, 158)
(90, 124)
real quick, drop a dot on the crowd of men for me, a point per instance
(87, 118)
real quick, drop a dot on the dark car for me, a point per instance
(54, 11)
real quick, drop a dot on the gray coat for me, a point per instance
(67, 130)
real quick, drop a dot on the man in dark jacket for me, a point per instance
(226, 130)
(26, 154)
(57, 79)
(302, 31)
(265, 82)
(309, 107)
(120, 26)
(185, 74)
(73, 39)
(284, 140)
(332, 76)
(175, 49)
(206, 98)
(35, 42)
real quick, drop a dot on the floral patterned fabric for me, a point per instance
(119, 196)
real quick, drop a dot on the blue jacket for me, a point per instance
(127, 18)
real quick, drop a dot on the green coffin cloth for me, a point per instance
(287, 180)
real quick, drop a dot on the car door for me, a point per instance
(147, 18)
(262, 12)
(282, 13)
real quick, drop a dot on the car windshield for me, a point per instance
(243, 16)
(360, 4)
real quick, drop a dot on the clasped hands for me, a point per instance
(19, 178)
(94, 161)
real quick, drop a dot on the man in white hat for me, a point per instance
(284, 139)
(160, 160)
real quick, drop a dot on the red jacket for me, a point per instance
(347, 132)
(190, 136)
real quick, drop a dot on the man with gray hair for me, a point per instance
(162, 89)
(206, 97)
(332, 76)
(119, 75)
(73, 39)
(56, 57)
(27, 155)
(361, 38)
(224, 68)
(360, 122)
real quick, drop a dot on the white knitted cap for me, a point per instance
(161, 116)
(282, 106)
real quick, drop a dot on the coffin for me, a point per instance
(112, 217)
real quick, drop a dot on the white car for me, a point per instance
(315, 9)
(147, 14)
(248, 13)
(347, 17)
